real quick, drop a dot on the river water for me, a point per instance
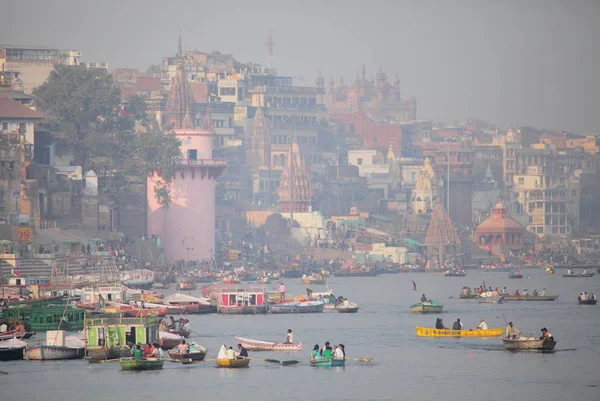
(405, 366)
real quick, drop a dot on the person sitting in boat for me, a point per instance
(542, 293)
(327, 351)
(332, 298)
(160, 353)
(222, 352)
(154, 351)
(183, 348)
(147, 350)
(457, 325)
(309, 293)
(243, 352)
(423, 298)
(593, 297)
(511, 331)
(584, 271)
(20, 327)
(315, 354)
(535, 293)
(173, 323)
(230, 353)
(545, 334)
(525, 293)
(570, 272)
(137, 353)
(439, 324)
(3, 327)
(582, 297)
(289, 338)
(517, 293)
(482, 325)
(186, 325)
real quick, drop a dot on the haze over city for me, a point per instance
(510, 63)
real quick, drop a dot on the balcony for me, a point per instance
(216, 163)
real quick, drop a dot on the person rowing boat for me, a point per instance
(511, 331)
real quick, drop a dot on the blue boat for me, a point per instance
(298, 307)
(327, 362)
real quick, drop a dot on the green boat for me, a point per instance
(49, 317)
(144, 364)
(327, 362)
(106, 334)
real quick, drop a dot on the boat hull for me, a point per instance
(498, 299)
(51, 352)
(355, 274)
(256, 345)
(243, 310)
(145, 364)
(351, 309)
(308, 281)
(515, 276)
(105, 353)
(579, 275)
(426, 308)
(327, 362)
(200, 309)
(11, 354)
(528, 344)
(531, 298)
(233, 363)
(587, 302)
(194, 356)
(310, 307)
(17, 334)
(432, 332)
(455, 274)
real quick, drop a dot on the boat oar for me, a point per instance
(264, 360)
(3, 372)
(290, 362)
(362, 359)
(109, 360)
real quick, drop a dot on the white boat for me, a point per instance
(58, 347)
(169, 340)
(257, 345)
(12, 349)
(529, 344)
(182, 299)
(350, 308)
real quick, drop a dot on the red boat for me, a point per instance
(138, 312)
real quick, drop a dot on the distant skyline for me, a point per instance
(511, 63)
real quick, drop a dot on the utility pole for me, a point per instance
(270, 46)
(448, 179)
(291, 176)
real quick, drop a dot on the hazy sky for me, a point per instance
(508, 62)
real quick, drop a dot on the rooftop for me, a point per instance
(11, 109)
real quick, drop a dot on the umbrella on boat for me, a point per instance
(5, 242)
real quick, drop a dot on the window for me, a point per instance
(5, 126)
(219, 123)
(227, 91)
(521, 181)
(359, 161)
(192, 154)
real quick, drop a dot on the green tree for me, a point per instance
(154, 69)
(84, 107)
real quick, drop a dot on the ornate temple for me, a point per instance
(442, 241)
(260, 138)
(178, 113)
(422, 196)
(377, 97)
(295, 192)
(500, 231)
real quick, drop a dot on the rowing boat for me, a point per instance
(587, 301)
(531, 298)
(431, 332)
(327, 362)
(579, 275)
(297, 307)
(529, 344)
(427, 307)
(144, 364)
(494, 299)
(256, 345)
(233, 363)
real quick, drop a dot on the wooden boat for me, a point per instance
(106, 334)
(171, 309)
(139, 283)
(21, 335)
(298, 307)
(52, 352)
(467, 296)
(144, 364)
(197, 353)
(494, 299)
(143, 312)
(580, 275)
(327, 362)
(233, 363)
(529, 344)
(230, 281)
(12, 350)
(515, 274)
(47, 317)
(181, 332)
(432, 332)
(427, 307)
(309, 281)
(263, 280)
(186, 286)
(257, 345)
(455, 273)
(531, 298)
(350, 308)
(200, 309)
(169, 340)
(587, 301)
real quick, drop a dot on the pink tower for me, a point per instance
(187, 227)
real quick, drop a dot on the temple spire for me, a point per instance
(261, 138)
(295, 174)
(179, 47)
(179, 112)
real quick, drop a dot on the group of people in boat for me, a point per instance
(571, 273)
(535, 293)
(174, 325)
(139, 353)
(458, 325)
(328, 352)
(230, 353)
(585, 297)
(494, 292)
(11, 326)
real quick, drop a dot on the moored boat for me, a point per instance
(515, 274)
(587, 301)
(144, 364)
(529, 344)
(257, 345)
(433, 332)
(371, 273)
(430, 306)
(297, 307)
(239, 301)
(233, 363)
(12, 350)
(57, 347)
(455, 273)
(530, 298)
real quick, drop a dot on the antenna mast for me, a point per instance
(270, 46)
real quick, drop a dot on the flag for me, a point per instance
(414, 285)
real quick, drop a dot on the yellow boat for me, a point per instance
(431, 332)
(233, 363)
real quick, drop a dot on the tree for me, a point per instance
(84, 106)
(154, 69)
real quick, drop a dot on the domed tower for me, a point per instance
(187, 226)
(331, 93)
(295, 190)
(261, 139)
(379, 85)
(397, 96)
